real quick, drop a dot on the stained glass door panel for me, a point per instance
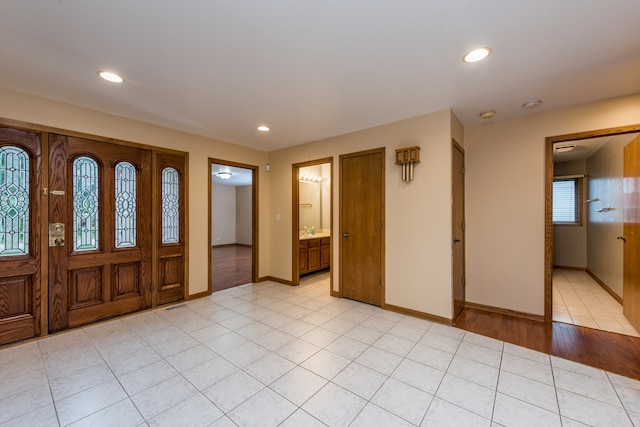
(20, 183)
(101, 192)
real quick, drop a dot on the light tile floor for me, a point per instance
(269, 354)
(580, 300)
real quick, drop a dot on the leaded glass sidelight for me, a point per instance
(14, 201)
(125, 205)
(170, 206)
(85, 204)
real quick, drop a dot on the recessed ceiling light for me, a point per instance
(489, 114)
(532, 103)
(264, 128)
(476, 55)
(224, 175)
(110, 77)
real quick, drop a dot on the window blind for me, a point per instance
(565, 206)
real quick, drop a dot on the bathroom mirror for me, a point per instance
(314, 200)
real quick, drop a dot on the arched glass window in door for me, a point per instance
(170, 206)
(85, 204)
(125, 205)
(14, 201)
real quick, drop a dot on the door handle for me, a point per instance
(345, 234)
(456, 240)
(624, 239)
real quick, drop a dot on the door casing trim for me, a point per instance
(295, 217)
(254, 218)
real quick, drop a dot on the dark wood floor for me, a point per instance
(230, 266)
(616, 353)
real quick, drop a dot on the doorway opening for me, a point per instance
(232, 224)
(584, 271)
(312, 215)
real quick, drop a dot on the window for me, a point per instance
(125, 205)
(567, 200)
(14, 201)
(85, 204)
(170, 206)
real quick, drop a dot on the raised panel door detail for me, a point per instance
(171, 272)
(14, 201)
(125, 280)
(85, 287)
(85, 204)
(325, 256)
(314, 258)
(15, 297)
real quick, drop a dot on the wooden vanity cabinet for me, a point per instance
(325, 252)
(314, 254)
(303, 264)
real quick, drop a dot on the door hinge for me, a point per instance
(462, 225)
(463, 170)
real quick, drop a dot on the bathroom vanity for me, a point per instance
(314, 253)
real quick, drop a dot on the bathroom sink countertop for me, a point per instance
(317, 235)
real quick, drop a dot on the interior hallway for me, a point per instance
(579, 300)
(269, 354)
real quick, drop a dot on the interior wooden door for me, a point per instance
(171, 227)
(631, 230)
(20, 213)
(362, 226)
(100, 202)
(457, 230)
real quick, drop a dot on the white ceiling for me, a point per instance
(584, 148)
(316, 69)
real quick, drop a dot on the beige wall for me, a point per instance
(605, 252)
(418, 214)
(33, 109)
(243, 214)
(223, 214)
(570, 241)
(505, 193)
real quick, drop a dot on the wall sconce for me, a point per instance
(407, 157)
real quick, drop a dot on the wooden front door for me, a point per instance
(20, 234)
(171, 227)
(631, 230)
(362, 226)
(457, 230)
(100, 230)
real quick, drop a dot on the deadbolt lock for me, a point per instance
(56, 234)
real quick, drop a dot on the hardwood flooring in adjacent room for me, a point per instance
(613, 352)
(230, 266)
